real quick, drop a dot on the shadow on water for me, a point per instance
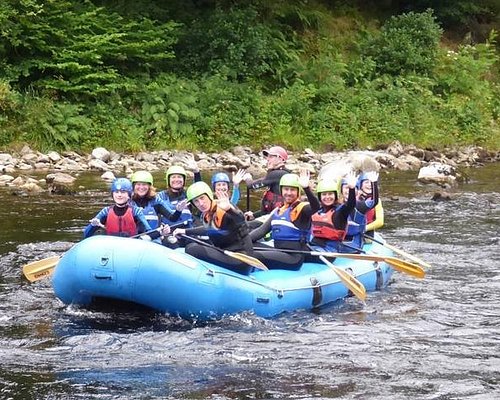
(435, 338)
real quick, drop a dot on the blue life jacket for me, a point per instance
(282, 227)
(186, 215)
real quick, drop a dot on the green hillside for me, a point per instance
(209, 75)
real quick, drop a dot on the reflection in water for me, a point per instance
(435, 338)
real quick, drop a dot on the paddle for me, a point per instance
(400, 252)
(239, 256)
(399, 265)
(40, 269)
(355, 286)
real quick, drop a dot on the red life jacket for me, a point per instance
(270, 201)
(370, 215)
(322, 226)
(121, 226)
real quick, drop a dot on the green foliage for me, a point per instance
(169, 109)
(408, 43)
(50, 125)
(236, 44)
(211, 75)
(78, 50)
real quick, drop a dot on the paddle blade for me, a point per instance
(410, 257)
(406, 267)
(40, 269)
(355, 286)
(247, 259)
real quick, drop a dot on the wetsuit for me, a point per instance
(226, 230)
(172, 198)
(357, 222)
(272, 197)
(375, 216)
(154, 209)
(289, 227)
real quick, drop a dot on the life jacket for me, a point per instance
(370, 215)
(186, 215)
(323, 228)
(212, 221)
(282, 223)
(270, 201)
(356, 223)
(121, 226)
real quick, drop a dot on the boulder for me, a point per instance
(438, 173)
(101, 154)
(60, 183)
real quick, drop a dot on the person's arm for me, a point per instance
(342, 213)
(140, 220)
(261, 231)
(164, 209)
(235, 196)
(95, 223)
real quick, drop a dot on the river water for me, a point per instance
(437, 338)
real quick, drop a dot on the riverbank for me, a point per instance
(16, 167)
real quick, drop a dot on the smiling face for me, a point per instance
(290, 194)
(366, 186)
(121, 197)
(141, 188)
(176, 181)
(202, 203)
(221, 187)
(328, 198)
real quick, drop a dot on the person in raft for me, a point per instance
(289, 224)
(356, 224)
(122, 218)
(175, 194)
(223, 223)
(374, 216)
(276, 159)
(220, 182)
(144, 196)
(329, 223)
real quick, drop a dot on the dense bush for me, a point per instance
(214, 74)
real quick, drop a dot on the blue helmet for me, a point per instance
(219, 177)
(122, 184)
(362, 177)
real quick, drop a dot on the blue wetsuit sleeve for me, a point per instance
(235, 197)
(140, 220)
(101, 216)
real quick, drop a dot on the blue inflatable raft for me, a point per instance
(176, 283)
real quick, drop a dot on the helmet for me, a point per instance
(197, 189)
(362, 177)
(142, 176)
(175, 170)
(276, 151)
(219, 177)
(342, 182)
(327, 186)
(121, 184)
(290, 180)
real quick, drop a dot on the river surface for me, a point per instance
(437, 338)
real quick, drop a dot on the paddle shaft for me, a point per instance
(158, 229)
(399, 251)
(239, 256)
(396, 263)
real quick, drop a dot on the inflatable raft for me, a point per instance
(176, 283)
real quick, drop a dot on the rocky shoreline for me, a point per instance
(433, 167)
